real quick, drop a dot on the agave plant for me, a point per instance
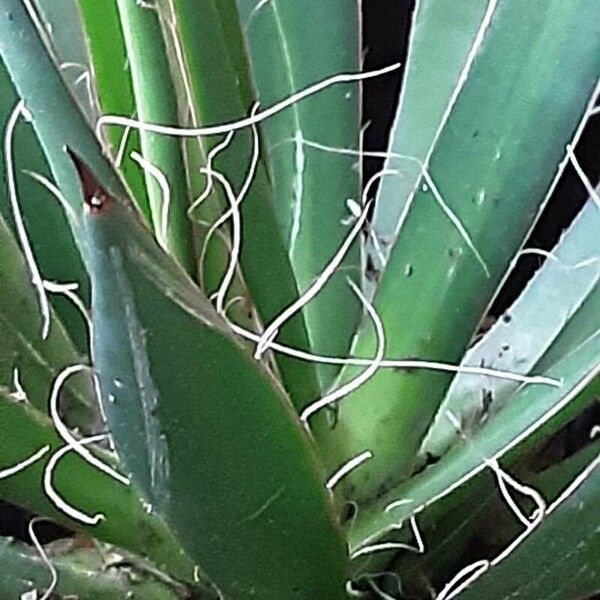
(233, 366)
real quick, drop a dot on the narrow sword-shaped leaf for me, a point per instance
(557, 561)
(150, 72)
(443, 43)
(291, 45)
(219, 87)
(485, 184)
(527, 419)
(568, 276)
(114, 88)
(189, 433)
(127, 524)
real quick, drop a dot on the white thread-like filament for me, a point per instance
(236, 241)
(584, 178)
(54, 496)
(504, 480)
(361, 379)
(18, 394)
(390, 363)
(53, 189)
(266, 339)
(234, 212)
(85, 76)
(163, 184)
(34, 272)
(451, 589)
(45, 559)
(69, 291)
(381, 547)
(347, 467)
(454, 220)
(248, 121)
(209, 170)
(385, 546)
(122, 145)
(22, 465)
(64, 432)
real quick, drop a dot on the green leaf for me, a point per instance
(557, 561)
(56, 254)
(582, 325)
(36, 360)
(24, 431)
(220, 91)
(56, 118)
(439, 55)
(64, 28)
(172, 408)
(190, 433)
(477, 514)
(80, 573)
(531, 415)
(493, 164)
(291, 45)
(150, 72)
(113, 86)
(518, 340)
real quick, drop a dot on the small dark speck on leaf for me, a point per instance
(506, 318)
(486, 400)
(476, 133)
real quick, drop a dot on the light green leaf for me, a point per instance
(219, 89)
(489, 174)
(518, 340)
(113, 86)
(530, 416)
(439, 58)
(291, 45)
(150, 71)
(24, 431)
